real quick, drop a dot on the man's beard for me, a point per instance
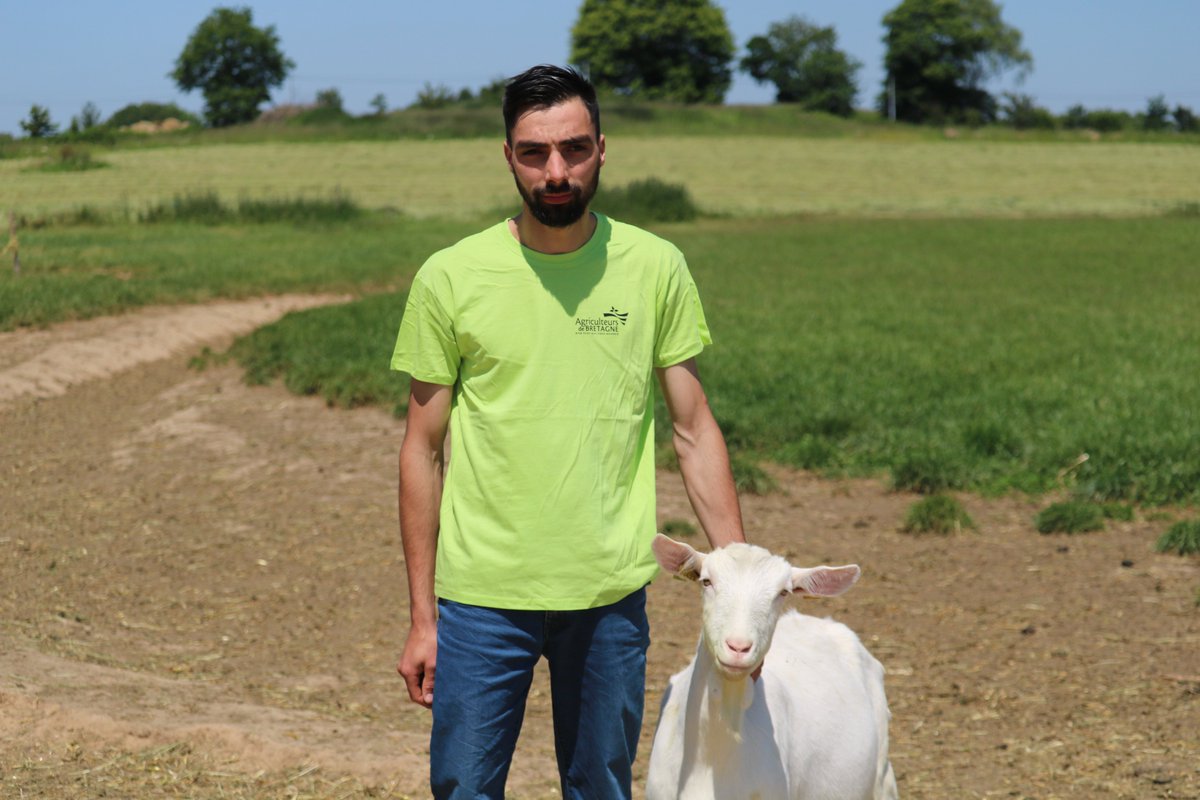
(560, 215)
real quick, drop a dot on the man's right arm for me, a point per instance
(421, 468)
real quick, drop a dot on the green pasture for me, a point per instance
(734, 175)
(980, 354)
(88, 270)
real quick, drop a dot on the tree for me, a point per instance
(379, 104)
(941, 52)
(803, 62)
(1185, 120)
(1022, 112)
(676, 50)
(89, 117)
(1157, 114)
(431, 96)
(330, 99)
(39, 125)
(233, 63)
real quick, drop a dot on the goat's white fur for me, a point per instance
(814, 725)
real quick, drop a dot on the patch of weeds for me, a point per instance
(207, 208)
(207, 358)
(1187, 210)
(1122, 512)
(939, 513)
(676, 528)
(70, 158)
(925, 473)
(338, 207)
(1072, 516)
(1182, 537)
(647, 200)
(748, 477)
(203, 207)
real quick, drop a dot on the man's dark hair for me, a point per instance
(543, 86)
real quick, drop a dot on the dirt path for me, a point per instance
(201, 591)
(45, 363)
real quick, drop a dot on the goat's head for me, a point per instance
(744, 588)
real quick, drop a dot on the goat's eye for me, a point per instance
(705, 582)
(784, 593)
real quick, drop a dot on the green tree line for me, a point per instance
(939, 56)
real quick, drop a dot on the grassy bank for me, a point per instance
(736, 175)
(988, 355)
(88, 270)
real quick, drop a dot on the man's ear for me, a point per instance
(508, 153)
(824, 581)
(677, 558)
(601, 146)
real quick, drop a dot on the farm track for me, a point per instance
(201, 589)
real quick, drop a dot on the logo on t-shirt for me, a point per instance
(609, 324)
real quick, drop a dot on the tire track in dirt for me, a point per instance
(46, 363)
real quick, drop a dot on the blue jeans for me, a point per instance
(485, 662)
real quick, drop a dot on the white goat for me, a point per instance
(812, 726)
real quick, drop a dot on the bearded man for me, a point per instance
(535, 344)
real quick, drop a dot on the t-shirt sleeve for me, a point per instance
(426, 346)
(683, 331)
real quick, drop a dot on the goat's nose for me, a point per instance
(739, 645)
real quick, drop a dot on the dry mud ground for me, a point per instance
(202, 594)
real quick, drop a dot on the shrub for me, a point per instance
(70, 158)
(1182, 537)
(1021, 112)
(1103, 120)
(1118, 511)
(330, 98)
(203, 207)
(1073, 516)
(207, 208)
(336, 208)
(431, 96)
(939, 513)
(648, 200)
(150, 112)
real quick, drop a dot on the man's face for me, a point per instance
(555, 158)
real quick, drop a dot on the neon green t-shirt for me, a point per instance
(549, 500)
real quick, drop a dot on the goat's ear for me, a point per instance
(824, 581)
(677, 558)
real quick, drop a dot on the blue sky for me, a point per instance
(64, 53)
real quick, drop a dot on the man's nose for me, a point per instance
(556, 168)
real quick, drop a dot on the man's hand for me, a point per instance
(418, 664)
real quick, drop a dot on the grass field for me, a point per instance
(87, 270)
(728, 175)
(980, 354)
(1033, 302)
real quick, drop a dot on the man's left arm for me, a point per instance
(703, 457)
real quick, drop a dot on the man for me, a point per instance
(534, 343)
